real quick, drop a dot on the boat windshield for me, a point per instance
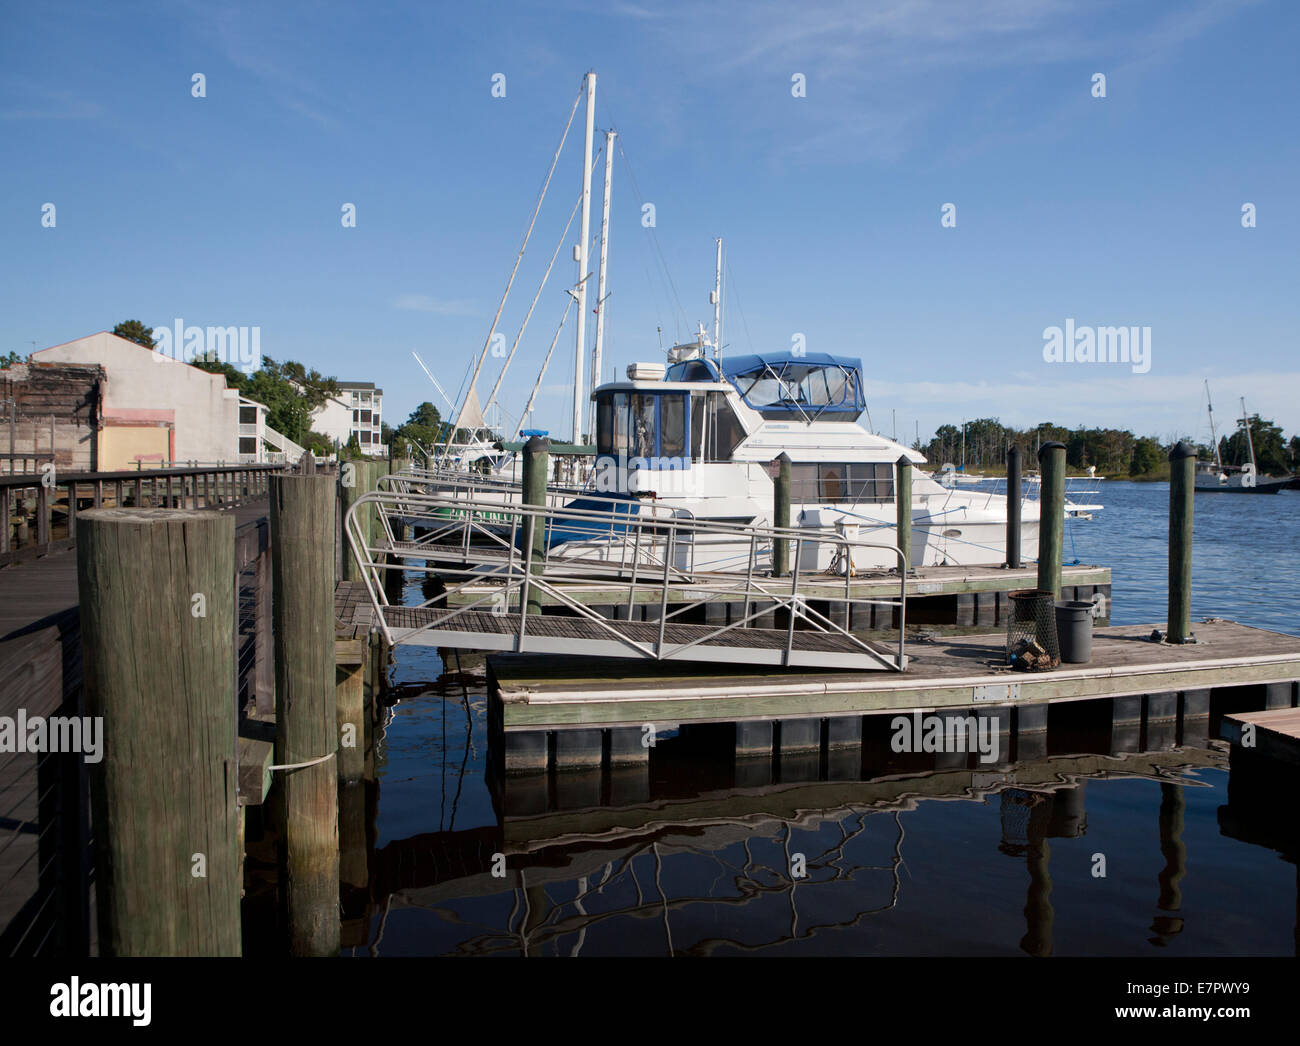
(813, 386)
(645, 425)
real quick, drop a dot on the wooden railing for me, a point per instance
(34, 506)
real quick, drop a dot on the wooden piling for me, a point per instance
(351, 487)
(305, 704)
(1013, 506)
(903, 501)
(157, 593)
(1182, 469)
(1051, 516)
(781, 515)
(534, 489)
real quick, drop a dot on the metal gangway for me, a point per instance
(494, 564)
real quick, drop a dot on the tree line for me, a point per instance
(1114, 452)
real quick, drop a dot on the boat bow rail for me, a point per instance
(643, 547)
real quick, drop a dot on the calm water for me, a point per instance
(922, 867)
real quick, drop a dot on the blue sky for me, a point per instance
(1123, 210)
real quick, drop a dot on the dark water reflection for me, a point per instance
(909, 861)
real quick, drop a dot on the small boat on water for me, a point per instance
(1217, 477)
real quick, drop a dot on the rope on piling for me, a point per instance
(299, 766)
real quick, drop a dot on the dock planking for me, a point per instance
(539, 693)
(1276, 730)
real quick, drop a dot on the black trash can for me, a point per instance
(1074, 630)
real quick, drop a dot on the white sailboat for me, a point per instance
(1219, 477)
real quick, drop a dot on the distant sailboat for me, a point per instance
(1217, 477)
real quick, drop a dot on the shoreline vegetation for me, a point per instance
(982, 445)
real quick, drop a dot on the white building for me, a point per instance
(356, 411)
(155, 411)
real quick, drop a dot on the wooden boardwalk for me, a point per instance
(40, 675)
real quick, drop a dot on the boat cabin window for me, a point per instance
(642, 425)
(835, 482)
(715, 430)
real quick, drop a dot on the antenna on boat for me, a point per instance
(1245, 424)
(580, 256)
(601, 295)
(716, 299)
(1214, 436)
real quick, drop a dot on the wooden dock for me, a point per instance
(958, 672)
(1276, 732)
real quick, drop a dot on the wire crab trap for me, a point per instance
(1031, 631)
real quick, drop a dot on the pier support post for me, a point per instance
(350, 700)
(1182, 488)
(1125, 724)
(302, 545)
(157, 591)
(1193, 717)
(534, 490)
(781, 515)
(1161, 721)
(754, 753)
(1013, 506)
(352, 484)
(525, 751)
(1031, 731)
(903, 503)
(1051, 516)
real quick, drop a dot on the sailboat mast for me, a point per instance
(717, 303)
(1245, 422)
(597, 355)
(1214, 436)
(580, 256)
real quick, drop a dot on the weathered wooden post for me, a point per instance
(903, 501)
(1051, 516)
(1182, 491)
(157, 592)
(534, 529)
(352, 484)
(305, 707)
(1013, 506)
(781, 515)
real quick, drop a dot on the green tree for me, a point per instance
(134, 330)
(424, 427)
(10, 358)
(289, 391)
(1147, 456)
(1270, 451)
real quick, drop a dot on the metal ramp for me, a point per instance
(647, 553)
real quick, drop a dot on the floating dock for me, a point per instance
(559, 713)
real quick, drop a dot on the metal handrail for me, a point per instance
(515, 567)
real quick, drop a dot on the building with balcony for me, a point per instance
(356, 411)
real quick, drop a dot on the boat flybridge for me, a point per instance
(700, 436)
